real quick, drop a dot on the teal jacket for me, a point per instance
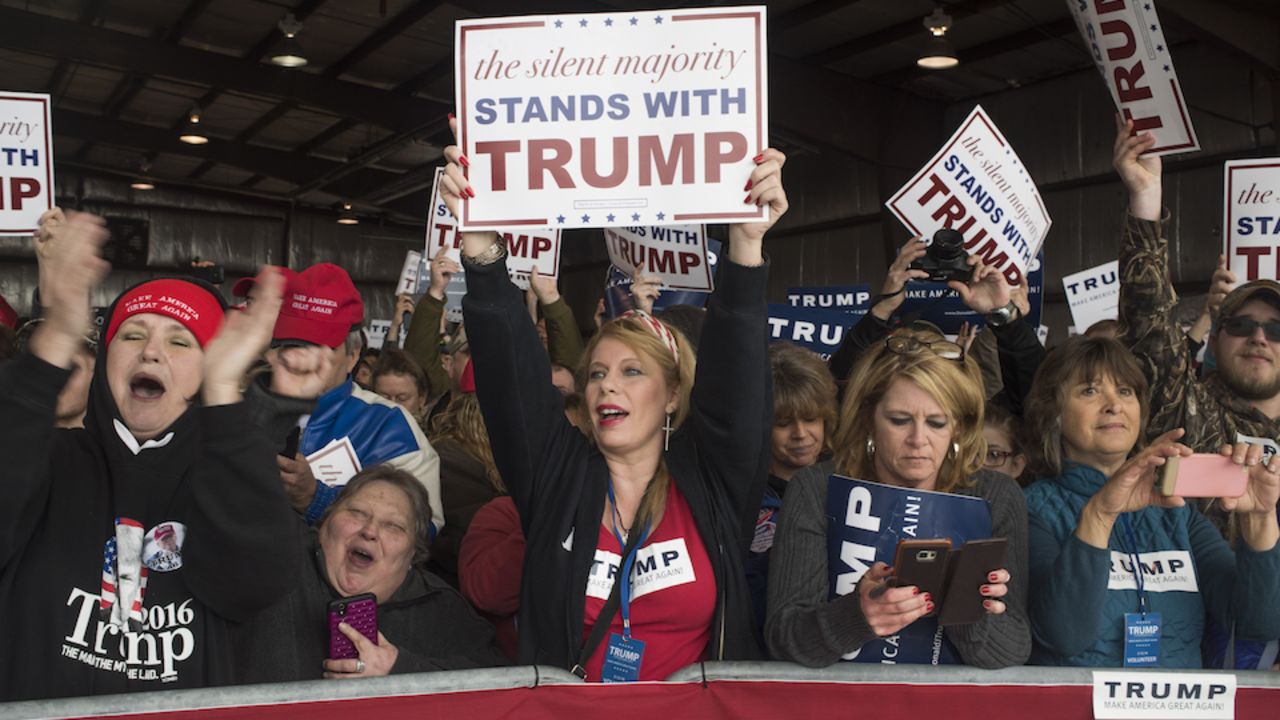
(1080, 594)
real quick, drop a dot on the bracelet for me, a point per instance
(489, 255)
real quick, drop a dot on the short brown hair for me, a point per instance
(394, 361)
(419, 503)
(1080, 358)
(956, 385)
(802, 387)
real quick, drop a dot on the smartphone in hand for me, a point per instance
(1203, 475)
(358, 611)
(970, 567)
(923, 563)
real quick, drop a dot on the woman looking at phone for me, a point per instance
(665, 491)
(1111, 557)
(912, 417)
(373, 539)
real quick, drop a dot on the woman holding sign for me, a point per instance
(664, 492)
(1122, 574)
(911, 418)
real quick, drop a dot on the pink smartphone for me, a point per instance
(1203, 475)
(358, 611)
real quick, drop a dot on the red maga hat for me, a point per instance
(321, 305)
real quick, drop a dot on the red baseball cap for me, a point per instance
(321, 305)
(192, 305)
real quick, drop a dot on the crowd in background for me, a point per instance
(193, 487)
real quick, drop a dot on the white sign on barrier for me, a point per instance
(26, 161)
(677, 254)
(1251, 228)
(1128, 45)
(612, 119)
(977, 185)
(527, 248)
(1093, 294)
(1164, 695)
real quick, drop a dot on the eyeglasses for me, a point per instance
(996, 458)
(907, 345)
(1242, 326)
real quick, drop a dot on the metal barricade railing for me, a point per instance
(529, 677)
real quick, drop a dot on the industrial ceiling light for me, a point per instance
(290, 53)
(938, 54)
(347, 217)
(191, 134)
(141, 182)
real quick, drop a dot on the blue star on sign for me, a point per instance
(609, 217)
(1159, 48)
(582, 22)
(635, 217)
(658, 20)
(1147, 7)
(559, 23)
(1166, 68)
(586, 218)
(608, 22)
(560, 218)
(635, 21)
(1153, 28)
(662, 216)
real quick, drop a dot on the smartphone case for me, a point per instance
(923, 563)
(1203, 475)
(358, 611)
(970, 566)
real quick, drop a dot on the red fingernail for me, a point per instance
(748, 187)
(470, 193)
(747, 201)
(986, 604)
(463, 161)
(450, 116)
(928, 607)
(985, 589)
(758, 158)
(992, 577)
(928, 598)
(915, 591)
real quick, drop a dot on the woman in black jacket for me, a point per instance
(674, 467)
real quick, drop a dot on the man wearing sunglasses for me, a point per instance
(1240, 402)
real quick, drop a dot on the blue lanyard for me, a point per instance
(1131, 543)
(624, 569)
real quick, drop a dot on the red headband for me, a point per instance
(657, 327)
(188, 303)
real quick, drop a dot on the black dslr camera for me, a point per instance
(945, 258)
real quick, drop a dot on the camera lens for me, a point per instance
(342, 609)
(947, 244)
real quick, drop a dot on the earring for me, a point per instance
(871, 447)
(955, 450)
(666, 428)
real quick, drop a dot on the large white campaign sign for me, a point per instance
(612, 119)
(26, 161)
(1093, 294)
(1128, 45)
(677, 254)
(527, 248)
(977, 185)
(1251, 228)
(1125, 695)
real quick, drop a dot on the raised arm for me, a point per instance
(732, 387)
(245, 550)
(423, 340)
(1147, 298)
(874, 326)
(70, 266)
(523, 412)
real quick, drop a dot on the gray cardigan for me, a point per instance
(804, 626)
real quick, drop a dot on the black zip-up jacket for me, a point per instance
(214, 479)
(558, 479)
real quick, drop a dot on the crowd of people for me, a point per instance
(200, 494)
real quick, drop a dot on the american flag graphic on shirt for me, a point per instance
(112, 583)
